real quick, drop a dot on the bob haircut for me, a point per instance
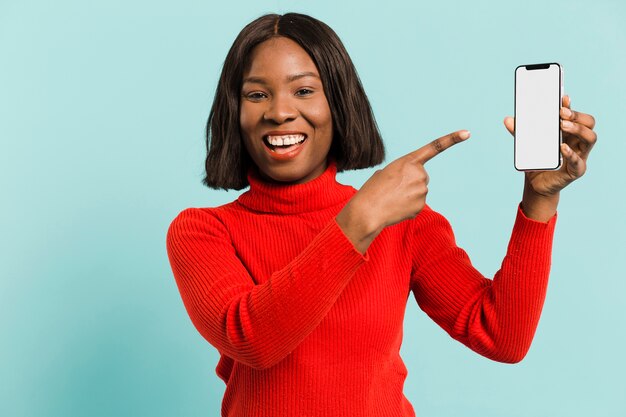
(356, 142)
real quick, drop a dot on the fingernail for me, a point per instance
(464, 134)
(567, 112)
(567, 124)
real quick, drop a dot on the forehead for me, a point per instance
(279, 56)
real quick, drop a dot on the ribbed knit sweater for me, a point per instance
(308, 326)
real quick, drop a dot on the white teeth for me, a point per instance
(285, 140)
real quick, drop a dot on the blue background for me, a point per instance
(102, 112)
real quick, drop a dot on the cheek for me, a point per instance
(247, 124)
(246, 127)
(322, 116)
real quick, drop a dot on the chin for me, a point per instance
(287, 174)
(286, 178)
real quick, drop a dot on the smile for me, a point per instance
(283, 142)
(284, 147)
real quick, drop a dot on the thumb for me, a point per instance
(509, 123)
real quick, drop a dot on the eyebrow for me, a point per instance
(289, 78)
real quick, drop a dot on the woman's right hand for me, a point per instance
(394, 193)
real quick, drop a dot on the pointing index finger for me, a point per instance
(434, 148)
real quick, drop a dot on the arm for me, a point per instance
(257, 325)
(496, 318)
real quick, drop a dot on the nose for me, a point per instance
(280, 110)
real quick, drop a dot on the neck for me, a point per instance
(273, 196)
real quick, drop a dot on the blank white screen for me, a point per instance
(537, 104)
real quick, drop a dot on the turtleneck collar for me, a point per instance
(317, 194)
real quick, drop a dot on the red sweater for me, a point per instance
(307, 326)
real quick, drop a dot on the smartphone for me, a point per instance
(538, 98)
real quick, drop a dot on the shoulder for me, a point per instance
(196, 232)
(194, 220)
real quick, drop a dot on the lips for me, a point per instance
(283, 141)
(284, 145)
(291, 138)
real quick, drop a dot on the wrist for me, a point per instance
(358, 225)
(537, 206)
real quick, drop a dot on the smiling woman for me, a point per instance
(288, 74)
(295, 283)
(285, 120)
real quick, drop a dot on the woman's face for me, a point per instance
(283, 101)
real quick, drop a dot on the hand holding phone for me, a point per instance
(576, 138)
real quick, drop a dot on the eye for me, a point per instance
(304, 91)
(255, 95)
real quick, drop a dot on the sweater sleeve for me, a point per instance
(257, 325)
(495, 318)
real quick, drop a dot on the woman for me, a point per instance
(302, 282)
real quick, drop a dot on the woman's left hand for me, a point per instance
(578, 140)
